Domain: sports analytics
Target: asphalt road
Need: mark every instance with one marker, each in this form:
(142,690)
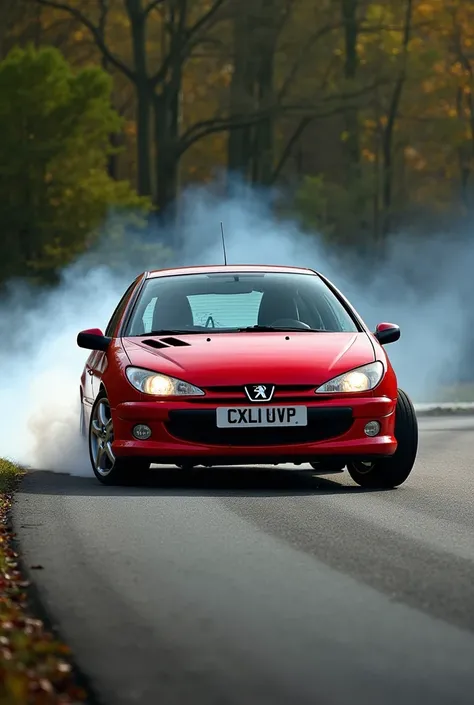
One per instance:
(240,587)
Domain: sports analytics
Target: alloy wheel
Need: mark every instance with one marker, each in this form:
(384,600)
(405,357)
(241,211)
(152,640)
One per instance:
(101,437)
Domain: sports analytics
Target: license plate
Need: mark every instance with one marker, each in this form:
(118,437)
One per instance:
(261,416)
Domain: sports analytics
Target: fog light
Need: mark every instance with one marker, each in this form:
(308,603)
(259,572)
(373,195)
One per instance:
(142,432)
(372,428)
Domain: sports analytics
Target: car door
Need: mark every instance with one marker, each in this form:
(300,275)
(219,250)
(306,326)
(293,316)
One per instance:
(88,380)
(98,361)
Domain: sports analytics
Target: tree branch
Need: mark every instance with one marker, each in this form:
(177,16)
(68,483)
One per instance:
(152,6)
(305,49)
(199,24)
(93,29)
(303,124)
(102,28)
(211,127)
(186,45)
(222,124)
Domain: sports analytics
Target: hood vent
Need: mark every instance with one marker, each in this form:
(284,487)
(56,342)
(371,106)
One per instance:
(176,342)
(165,343)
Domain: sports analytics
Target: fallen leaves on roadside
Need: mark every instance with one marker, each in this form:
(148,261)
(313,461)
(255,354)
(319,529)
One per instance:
(34,666)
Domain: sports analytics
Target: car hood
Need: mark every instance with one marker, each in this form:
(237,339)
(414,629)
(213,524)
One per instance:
(231,359)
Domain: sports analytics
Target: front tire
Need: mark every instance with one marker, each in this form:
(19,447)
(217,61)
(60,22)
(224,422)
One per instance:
(108,469)
(388,473)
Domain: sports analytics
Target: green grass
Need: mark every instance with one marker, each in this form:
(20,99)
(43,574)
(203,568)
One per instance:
(9,473)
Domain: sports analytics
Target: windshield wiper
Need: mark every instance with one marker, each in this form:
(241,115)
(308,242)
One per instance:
(247,329)
(170,331)
(276,329)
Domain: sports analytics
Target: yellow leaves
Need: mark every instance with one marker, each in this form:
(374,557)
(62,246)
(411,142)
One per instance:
(32,665)
(420,165)
(457,69)
(410,153)
(370,124)
(226,74)
(78,35)
(426,9)
(368,155)
(415,158)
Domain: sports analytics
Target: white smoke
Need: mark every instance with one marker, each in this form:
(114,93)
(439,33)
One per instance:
(42,366)
(41,363)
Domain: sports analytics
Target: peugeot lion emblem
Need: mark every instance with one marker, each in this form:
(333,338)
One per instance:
(260,392)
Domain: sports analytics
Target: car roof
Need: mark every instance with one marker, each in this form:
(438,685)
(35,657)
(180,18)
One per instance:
(221,268)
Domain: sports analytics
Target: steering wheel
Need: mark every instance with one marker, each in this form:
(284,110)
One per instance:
(290,323)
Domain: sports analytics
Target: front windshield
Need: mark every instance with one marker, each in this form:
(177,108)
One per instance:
(234,301)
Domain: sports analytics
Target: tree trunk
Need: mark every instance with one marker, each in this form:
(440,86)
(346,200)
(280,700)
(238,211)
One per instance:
(351,117)
(387,146)
(166,107)
(239,149)
(143,93)
(264,49)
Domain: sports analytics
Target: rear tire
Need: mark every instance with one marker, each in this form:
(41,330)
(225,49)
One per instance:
(108,469)
(387,473)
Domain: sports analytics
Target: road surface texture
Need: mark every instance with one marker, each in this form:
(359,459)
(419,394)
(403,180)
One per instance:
(251,587)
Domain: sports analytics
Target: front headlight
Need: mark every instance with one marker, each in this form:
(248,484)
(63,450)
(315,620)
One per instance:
(362,379)
(159,385)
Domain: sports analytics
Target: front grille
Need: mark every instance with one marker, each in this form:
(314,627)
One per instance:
(200,427)
(229,395)
(280,388)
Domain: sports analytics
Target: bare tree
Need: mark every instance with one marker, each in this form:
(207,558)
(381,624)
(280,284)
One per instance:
(350,20)
(392,115)
(254,102)
(464,107)
(137,74)
(159,88)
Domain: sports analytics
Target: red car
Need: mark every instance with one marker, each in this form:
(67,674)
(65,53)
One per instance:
(234,365)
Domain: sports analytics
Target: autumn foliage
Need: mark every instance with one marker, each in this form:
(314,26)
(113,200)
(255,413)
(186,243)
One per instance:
(362,110)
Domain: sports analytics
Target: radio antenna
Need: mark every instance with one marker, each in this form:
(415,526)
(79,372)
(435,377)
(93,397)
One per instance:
(223,243)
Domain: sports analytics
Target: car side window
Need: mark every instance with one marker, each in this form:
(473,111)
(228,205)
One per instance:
(117,314)
(147,318)
(335,310)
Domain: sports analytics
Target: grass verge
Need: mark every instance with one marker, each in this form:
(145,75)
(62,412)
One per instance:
(34,666)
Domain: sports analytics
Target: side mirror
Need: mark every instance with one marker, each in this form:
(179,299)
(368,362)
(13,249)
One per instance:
(387,333)
(93,339)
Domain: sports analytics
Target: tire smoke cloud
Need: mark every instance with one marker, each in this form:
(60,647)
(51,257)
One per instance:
(420,284)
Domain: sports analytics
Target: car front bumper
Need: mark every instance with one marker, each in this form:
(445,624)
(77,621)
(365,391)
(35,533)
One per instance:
(186,432)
